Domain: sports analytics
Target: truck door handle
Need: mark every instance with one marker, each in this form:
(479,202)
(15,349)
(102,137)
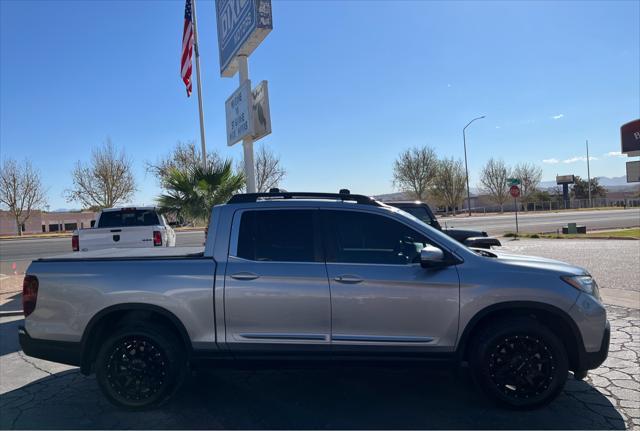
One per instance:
(244,276)
(352,279)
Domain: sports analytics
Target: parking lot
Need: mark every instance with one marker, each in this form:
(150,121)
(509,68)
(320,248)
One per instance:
(37,394)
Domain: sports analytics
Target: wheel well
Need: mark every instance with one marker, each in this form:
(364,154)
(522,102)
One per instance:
(108,320)
(553,320)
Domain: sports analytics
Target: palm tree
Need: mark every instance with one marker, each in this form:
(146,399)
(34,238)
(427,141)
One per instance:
(192,191)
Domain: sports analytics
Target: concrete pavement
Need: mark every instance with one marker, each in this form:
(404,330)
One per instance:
(36,394)
(615,264)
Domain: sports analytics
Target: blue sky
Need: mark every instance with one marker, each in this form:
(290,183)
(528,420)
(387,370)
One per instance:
(351,83)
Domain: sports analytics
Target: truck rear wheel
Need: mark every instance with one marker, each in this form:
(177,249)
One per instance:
(140,367)
(519,362)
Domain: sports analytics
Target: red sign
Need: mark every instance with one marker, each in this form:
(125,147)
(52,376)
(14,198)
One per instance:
(630,136)
(514,191)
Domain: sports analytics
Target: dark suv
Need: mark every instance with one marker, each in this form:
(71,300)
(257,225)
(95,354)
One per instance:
(470,238)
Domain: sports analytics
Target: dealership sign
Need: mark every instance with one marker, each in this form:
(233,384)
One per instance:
(242,26)
(630,138)
(238,111)
(565,179)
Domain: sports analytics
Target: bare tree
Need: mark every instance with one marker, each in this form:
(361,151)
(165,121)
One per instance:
(493,180)
(530,176)
(106,181)
(414,171)
(184,156)
(268,169)
(21,190)
(449,185)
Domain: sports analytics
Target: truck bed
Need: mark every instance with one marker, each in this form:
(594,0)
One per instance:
(130,253)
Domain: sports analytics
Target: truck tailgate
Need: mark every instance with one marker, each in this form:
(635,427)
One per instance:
(117,237)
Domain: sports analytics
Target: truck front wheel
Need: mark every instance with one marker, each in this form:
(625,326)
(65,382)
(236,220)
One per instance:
(140,367)
(519,362)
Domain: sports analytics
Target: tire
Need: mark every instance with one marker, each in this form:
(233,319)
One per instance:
(519,363)
(140,366)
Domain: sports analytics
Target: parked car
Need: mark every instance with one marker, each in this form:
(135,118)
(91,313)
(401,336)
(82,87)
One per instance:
(470,238)
(125,228)
(329,277)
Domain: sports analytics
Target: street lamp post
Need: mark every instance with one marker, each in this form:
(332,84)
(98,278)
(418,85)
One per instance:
(466,169)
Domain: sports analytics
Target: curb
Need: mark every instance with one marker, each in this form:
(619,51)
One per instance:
(28,237)
(553,235)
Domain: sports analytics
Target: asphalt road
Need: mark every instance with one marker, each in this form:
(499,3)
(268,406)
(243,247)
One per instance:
(546,222)
(26,250)
(29,249)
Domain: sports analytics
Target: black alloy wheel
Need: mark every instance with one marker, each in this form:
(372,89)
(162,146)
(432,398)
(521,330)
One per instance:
(522,366)
(137,368)
(140,367)
(519,362)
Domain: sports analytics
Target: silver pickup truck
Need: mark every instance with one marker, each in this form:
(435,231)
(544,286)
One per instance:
(308,276)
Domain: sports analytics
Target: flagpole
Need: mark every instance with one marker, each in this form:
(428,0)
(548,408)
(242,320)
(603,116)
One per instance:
(197,50)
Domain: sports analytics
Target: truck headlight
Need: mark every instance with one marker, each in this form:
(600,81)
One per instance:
(584,283)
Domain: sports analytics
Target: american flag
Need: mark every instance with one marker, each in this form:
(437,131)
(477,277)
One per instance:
(187,47)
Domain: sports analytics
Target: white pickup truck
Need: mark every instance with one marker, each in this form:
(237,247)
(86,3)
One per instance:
(125,228)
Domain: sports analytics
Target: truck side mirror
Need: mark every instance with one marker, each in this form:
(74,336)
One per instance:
(431,256)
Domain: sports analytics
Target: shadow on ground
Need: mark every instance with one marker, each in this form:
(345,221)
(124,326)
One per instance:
(9,336)
(346,398)
(14,303)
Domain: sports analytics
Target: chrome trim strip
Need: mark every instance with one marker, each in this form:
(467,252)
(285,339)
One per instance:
(283,336)
(381,338)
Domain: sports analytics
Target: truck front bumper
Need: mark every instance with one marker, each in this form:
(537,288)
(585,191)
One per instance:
(64,352)
(592,360)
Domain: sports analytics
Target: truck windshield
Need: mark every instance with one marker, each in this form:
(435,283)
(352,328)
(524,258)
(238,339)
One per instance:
(128,218)
(421,214)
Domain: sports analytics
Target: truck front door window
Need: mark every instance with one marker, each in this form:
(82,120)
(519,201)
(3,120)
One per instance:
(380,295)
(369,238)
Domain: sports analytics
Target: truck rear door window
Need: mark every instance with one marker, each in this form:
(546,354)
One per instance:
(125,218)
(277,235)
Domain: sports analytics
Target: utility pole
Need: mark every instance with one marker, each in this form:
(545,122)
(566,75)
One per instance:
(589,176)
(197,50)
(466,169)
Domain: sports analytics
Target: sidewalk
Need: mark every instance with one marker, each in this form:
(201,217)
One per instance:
(11,294)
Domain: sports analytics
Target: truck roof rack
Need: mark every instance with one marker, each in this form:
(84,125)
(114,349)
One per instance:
(254,197)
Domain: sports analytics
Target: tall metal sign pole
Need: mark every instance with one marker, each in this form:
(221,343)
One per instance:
(247,141)
(242,26)
(196,47)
